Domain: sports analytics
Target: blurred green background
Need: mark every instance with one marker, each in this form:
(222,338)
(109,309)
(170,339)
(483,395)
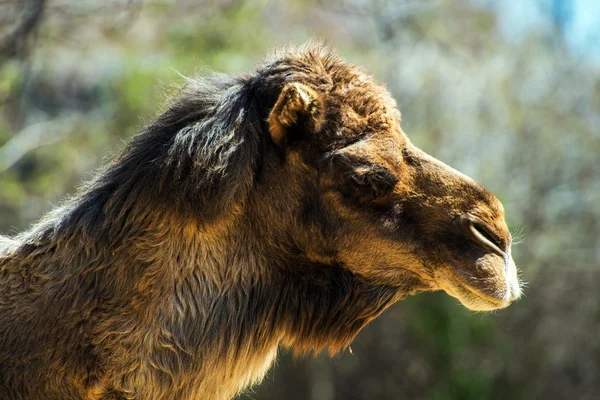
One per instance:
(506,91)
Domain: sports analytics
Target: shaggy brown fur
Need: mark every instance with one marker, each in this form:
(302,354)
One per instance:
(285,207)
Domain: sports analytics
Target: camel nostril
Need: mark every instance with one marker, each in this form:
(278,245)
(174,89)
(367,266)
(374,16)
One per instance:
(477,231)
(487,234)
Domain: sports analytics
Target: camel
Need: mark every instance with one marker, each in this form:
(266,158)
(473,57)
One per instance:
(285,208)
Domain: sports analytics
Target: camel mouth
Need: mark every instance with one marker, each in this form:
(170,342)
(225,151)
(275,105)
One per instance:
(491,284)
(471,297)
(477,299)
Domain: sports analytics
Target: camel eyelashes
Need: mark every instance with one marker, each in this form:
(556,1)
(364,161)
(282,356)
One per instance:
(378,181)
(361,180)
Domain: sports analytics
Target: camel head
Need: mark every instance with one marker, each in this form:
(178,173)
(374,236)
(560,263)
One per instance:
(360,195)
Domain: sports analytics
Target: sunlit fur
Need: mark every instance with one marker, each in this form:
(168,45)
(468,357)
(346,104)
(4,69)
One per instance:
(226,229)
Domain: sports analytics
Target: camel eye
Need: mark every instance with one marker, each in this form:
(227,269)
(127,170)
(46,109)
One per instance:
(370,182)
(361,180)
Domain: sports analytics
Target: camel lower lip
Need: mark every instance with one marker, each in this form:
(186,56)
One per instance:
(464,292)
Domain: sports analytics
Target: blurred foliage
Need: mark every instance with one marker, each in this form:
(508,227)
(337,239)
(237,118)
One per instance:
(521,115)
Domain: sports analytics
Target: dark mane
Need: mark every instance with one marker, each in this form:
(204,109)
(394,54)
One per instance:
(198,157)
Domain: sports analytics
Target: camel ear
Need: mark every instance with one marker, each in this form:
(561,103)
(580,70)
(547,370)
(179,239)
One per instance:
(297,106)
